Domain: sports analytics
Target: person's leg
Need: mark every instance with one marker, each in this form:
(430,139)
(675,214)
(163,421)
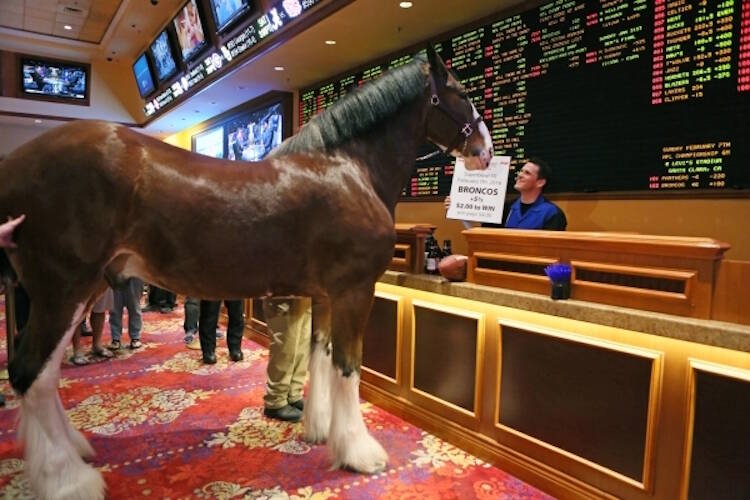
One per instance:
(115,316)
(302,329)
(280,359)
(97,330)
(235,328)
(79,358)
(133,294)
(153,298)
(170,299)
(192,312)
(209,317)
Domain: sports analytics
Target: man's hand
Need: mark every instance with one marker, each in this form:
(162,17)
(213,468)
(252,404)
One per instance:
(447,202)
(6,231)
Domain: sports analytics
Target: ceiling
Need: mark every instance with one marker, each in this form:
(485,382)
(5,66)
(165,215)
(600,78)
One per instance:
(364,30)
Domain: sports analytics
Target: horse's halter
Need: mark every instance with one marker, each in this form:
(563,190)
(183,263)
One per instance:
(465,129)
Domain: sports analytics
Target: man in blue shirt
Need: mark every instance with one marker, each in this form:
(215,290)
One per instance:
(532,210)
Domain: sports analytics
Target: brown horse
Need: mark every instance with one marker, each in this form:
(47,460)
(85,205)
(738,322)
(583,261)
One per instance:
(104,203)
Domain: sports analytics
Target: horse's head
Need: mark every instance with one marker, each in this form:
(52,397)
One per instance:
(453,122)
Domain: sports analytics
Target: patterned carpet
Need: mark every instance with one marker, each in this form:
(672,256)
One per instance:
(166,426)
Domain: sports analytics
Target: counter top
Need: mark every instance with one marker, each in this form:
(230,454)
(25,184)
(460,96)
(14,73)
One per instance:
(714,333)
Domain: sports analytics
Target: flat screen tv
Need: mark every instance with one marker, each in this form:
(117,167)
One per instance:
(210,142)
(226,12)
(251,136)
(161,52)
(189,29)
(143,78)
(56,79)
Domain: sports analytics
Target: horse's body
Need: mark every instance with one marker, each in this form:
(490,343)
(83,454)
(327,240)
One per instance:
(104,203)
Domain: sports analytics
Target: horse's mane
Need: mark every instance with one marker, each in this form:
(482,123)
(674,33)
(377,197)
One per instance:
(359,110)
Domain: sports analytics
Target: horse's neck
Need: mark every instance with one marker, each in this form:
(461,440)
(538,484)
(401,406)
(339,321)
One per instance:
(389,151)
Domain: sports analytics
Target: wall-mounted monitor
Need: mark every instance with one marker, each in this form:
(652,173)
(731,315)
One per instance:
(189,29)
(161,52)
(210,142)
(252,135)
(143,77)
(226,12)
(54,79)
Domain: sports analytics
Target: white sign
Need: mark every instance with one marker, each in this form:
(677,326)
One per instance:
(479,195)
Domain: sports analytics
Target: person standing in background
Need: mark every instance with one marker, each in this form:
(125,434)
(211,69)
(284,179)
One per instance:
(289,322)
(127,295)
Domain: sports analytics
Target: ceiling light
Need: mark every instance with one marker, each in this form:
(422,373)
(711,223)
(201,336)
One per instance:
(278,68)
(330,42)
(68,27)
(37,121)
(405,5)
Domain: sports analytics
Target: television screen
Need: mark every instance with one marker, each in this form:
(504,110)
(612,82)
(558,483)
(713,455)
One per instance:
(54,79)
(161,51)
(210,142)
(189,30)
(143,76)
(227,11)
(255,134)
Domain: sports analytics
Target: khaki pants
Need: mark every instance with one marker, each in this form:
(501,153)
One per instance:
(289,323)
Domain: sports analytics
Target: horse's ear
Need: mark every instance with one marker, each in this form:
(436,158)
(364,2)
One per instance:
(437,66)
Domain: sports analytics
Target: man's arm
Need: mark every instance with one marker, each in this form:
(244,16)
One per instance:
(6,231)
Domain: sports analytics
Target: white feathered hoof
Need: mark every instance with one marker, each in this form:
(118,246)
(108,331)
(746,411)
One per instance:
(359,452)
(71,481)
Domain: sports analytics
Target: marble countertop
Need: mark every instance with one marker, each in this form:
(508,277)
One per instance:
(714,333)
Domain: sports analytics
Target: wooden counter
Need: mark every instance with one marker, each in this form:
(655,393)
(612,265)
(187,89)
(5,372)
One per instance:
(583,400)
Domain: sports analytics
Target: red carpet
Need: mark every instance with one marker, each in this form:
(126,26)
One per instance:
(165,426)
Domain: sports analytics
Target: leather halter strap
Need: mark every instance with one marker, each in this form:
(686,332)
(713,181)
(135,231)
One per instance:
(466,128)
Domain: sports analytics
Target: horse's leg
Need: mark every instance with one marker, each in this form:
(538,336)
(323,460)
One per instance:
(350,443)
(52,447)
(317,413)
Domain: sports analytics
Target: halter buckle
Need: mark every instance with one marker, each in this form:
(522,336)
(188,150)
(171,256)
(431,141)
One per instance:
(435,100)
(467,130)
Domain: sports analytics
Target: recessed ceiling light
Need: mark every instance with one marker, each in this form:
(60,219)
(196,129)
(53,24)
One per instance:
(68,27)
(330,42)
(37,121)
(405,5)
(278,68)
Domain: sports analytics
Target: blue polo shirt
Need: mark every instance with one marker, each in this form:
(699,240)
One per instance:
(535,217)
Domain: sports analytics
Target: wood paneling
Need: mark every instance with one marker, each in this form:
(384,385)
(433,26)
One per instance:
(731,296)
(452,339)
(720,451)
(587,400)
(380,344)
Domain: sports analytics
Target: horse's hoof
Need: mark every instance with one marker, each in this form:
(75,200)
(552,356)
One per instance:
(362,454)
(80,482)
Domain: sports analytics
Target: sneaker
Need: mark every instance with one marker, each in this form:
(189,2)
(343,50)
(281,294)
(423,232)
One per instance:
(189,336)
(195,344)
(114,346)
(219,334)
(165,309)
(286,413)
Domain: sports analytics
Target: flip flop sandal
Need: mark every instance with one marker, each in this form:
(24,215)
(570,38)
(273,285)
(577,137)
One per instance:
(79,360)
(135,344)
(102,353)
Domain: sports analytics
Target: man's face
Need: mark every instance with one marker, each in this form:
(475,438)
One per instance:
(527,179)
